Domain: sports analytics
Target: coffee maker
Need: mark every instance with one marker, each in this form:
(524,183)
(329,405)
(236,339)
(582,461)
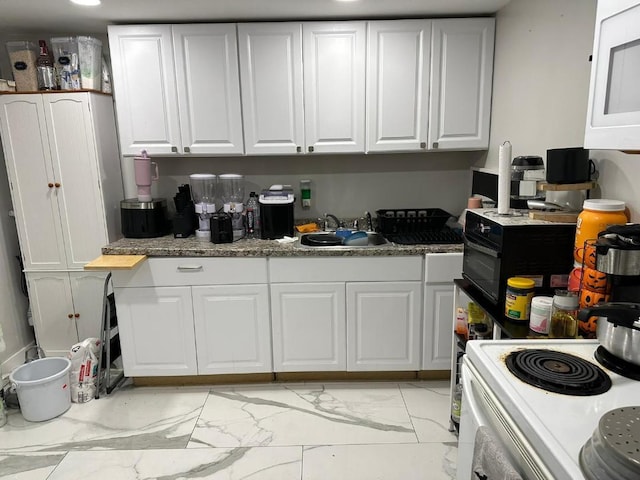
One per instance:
(618,255)
(232,193)
(144,216)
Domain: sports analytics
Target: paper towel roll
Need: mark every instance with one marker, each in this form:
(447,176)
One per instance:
(504,178)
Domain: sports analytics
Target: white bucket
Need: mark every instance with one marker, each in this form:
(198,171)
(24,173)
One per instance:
(43,388)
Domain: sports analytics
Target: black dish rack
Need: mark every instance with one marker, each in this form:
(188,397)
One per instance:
(417,226)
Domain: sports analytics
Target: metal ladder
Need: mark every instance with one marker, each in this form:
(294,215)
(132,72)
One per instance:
(108,333)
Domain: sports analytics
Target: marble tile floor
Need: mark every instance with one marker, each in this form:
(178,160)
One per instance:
(280,431)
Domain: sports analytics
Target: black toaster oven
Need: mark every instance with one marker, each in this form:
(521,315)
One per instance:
(499,247)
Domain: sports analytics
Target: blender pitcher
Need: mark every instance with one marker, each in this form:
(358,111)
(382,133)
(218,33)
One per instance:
(144,177)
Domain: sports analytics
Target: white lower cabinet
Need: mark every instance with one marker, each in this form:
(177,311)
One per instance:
(156,331)
(383,325)
(66,307)
(308,321)
(346,313)
(440,271)
(233,333)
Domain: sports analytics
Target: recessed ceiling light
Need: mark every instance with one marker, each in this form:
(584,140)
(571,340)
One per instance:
(87,3)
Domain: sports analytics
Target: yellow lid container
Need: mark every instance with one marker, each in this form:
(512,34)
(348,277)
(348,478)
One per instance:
(517,304)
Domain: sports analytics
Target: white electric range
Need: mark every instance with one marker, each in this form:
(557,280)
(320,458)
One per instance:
(541,431)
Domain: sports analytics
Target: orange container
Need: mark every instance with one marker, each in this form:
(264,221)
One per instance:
(596,216)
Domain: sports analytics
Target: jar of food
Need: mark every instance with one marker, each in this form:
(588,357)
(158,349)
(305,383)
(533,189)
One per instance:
(596,216)
(517,304)
(564,315)
(540,314)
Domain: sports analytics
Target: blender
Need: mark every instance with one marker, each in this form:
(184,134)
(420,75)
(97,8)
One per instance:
(203,190)
(232,193)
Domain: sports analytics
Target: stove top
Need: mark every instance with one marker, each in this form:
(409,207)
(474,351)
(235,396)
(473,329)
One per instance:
(558,372)
(556,425)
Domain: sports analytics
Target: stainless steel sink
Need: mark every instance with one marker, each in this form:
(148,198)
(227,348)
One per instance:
(323,240)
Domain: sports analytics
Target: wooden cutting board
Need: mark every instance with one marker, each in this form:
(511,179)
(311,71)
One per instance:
(561,217)
(115,262)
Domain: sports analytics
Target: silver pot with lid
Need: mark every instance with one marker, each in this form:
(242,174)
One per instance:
(618,329)
(612,451)
(618,250)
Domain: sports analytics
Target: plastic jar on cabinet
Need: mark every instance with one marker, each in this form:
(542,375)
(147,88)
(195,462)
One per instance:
(540,314)
(517,304)
(564,315)
(596,216)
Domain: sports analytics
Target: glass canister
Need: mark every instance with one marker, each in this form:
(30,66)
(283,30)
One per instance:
(564,315)
(596,216)
(517,304)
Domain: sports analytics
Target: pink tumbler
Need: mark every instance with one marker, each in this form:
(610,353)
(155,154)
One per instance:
(142,167)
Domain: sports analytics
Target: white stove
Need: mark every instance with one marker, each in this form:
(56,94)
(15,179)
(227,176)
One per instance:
(541,431)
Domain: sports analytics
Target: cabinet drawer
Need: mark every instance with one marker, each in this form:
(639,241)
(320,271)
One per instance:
(345,269)
(442,267)
(178,271)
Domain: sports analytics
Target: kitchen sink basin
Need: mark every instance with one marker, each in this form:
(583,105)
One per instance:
(331,241)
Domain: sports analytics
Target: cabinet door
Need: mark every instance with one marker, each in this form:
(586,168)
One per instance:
(52,310)
(613,114)
(308,322)
(271,76)
(232,329)
(208,88)
(87,290)
(398,85)
(75,166)
(145,88)
(383,325)
(32,181)
(461,76)
(334,86)
(156,331)
(438,327)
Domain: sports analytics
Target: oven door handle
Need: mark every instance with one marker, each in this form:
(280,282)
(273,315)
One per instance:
(481,248)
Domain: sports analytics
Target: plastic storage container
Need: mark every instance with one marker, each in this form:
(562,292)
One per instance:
(540,316)
(66,62)
(564,315)
(22,56)
(43,388)
(90,53)
(596,216)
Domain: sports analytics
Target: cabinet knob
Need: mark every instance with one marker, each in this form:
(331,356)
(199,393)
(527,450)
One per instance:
(50,185)
(57,185)
(423,144)
(70,315)
(435,144)
(310,149)
(174,149)
(77,315)
(298,149)
(187,150)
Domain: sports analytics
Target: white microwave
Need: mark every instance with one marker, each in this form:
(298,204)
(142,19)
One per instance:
(613,113)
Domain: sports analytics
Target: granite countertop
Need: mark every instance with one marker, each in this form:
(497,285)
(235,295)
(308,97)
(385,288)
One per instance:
(168,246)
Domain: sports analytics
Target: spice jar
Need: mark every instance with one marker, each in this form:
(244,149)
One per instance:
(564,315)
(517,304)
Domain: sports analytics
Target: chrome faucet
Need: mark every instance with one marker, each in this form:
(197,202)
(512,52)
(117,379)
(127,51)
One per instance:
(327,216)
(367,219)
(367,216)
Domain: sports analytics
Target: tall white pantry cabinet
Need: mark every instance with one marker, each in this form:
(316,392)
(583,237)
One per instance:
(63,165)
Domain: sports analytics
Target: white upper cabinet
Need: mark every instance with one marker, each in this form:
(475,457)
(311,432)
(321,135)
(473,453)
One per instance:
(64,171)
(398,85)
(206,59)
(271,79)
(177,88)
(334,86)
(461,78)
(613,113)
(145,88)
